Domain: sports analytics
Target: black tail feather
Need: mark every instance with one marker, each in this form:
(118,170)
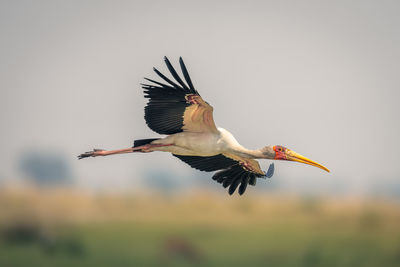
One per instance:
(141,142)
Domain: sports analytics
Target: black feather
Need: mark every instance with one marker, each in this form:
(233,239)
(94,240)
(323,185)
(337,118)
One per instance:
(221,179)
(165,78)
(252,180)
(244,183)
(161,84)
(141,142)
(234,185)
(186,75)
(218,175)
(174,74)
(235,175)
(227,181)
(165,117)
(207,164)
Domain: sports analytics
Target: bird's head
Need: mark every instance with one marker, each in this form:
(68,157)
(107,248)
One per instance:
(282,153)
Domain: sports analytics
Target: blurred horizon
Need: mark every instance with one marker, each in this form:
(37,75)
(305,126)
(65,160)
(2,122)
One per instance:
(165,181)
(53,169)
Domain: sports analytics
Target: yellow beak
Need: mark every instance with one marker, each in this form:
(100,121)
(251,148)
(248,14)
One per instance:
(293,156)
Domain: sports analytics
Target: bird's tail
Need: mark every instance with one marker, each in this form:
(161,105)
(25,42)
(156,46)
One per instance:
(142,142)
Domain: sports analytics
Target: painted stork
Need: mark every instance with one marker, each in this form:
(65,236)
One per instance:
(177,110)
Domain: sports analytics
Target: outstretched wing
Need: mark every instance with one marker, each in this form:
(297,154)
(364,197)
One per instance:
(234,171)
(174,107)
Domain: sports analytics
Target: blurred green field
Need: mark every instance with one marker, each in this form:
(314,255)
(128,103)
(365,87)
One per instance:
(55,228)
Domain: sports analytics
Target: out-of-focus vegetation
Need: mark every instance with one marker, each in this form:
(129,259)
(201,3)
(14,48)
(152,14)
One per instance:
(70,228)
(45,168)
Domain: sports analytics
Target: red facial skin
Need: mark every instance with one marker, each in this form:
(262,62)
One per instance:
(280,152)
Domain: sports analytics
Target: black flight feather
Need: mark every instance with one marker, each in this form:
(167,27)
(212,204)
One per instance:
(166,79)
(174,74)
(161,84)
(234,185)
(208,164)
(244,183)
(231,173)
(252,180)
(186,75)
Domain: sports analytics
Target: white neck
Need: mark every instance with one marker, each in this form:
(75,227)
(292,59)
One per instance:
(251,154)
(236,148)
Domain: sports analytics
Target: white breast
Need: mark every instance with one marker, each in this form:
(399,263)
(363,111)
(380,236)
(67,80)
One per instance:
(200,144)
(227,140)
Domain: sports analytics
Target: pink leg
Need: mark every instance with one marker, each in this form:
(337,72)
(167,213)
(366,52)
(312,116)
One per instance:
(101,152)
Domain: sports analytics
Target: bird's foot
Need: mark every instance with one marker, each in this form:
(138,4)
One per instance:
(94,153)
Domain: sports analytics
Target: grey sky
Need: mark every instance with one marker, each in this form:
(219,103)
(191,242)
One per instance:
(320,77)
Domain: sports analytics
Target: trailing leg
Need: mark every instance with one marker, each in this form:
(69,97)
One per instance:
(100,152)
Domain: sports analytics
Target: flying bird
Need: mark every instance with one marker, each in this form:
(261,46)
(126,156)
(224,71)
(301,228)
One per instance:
(176,109)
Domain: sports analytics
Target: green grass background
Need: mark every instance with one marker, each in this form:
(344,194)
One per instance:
(206,230)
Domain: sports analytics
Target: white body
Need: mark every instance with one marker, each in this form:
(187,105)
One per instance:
(199,144)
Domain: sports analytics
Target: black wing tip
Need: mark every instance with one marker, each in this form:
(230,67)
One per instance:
(243,185)
(176,75)
(187,87)
(253,180)
(238,179)
(167,59)
(165,78)
(187,76)
(234,186)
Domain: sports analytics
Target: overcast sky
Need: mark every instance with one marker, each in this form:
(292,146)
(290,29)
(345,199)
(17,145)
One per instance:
(319,77)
